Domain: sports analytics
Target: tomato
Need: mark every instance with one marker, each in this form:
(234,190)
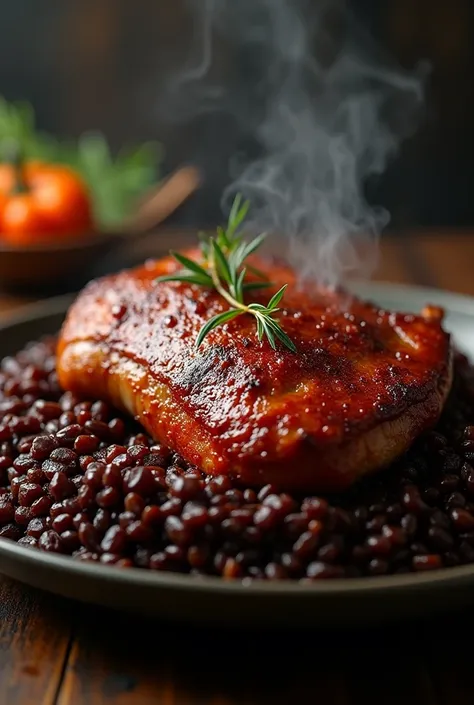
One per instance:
(3,200)
(41,201)
(22,222)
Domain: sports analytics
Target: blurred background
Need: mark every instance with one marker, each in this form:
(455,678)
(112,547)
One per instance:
(105,64)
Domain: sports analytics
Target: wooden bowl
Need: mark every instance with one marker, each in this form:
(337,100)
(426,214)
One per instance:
(53,266)
(63,264)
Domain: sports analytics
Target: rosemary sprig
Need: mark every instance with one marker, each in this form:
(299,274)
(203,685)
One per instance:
(222,269)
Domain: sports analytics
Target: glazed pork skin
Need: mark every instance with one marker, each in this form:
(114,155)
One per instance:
(363,384)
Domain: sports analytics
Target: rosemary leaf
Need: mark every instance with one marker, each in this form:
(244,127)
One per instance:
(222,269)
(237,215)
(222,239)
(216,321)
(237,256)
(254,245)
(257,307)
(187,277)
(268,330)
(280,333)
(189,264)
(276,298)
(239,287)
(222,263)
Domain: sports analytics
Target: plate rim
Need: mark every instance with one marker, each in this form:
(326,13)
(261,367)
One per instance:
(138,577)
(452,301)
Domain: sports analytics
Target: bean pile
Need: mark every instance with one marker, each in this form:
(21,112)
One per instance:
(78,478)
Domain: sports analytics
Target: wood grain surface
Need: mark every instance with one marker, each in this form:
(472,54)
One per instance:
(56,652)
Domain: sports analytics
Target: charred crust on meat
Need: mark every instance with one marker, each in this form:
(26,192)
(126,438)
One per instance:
(235,398)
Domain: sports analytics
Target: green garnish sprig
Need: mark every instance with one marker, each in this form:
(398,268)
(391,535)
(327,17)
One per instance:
(222,269)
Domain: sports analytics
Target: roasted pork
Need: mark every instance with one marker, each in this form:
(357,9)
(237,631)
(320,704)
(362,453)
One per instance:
(362,385)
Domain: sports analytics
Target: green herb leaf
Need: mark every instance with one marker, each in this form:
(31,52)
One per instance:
(257,307)
(186,277)
(276,298)
(239,286)
(190,264)
(254,245)
(204,245)
(223,257)
(222,238)
(237,214)
(268,331)
(280,334)
(216,321)
(222,263)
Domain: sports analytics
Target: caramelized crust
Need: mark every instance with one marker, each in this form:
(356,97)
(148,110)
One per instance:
(362,386)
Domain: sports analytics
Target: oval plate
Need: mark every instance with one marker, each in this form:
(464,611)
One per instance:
(211,599)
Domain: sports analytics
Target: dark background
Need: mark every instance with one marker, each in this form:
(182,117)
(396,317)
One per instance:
(102,64)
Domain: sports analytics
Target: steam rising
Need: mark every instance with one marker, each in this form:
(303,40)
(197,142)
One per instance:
(327,113)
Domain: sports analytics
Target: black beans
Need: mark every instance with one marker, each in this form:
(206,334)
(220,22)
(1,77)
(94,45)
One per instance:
(306,544)
(114,540)
(41,506)
(36,527)
(314,507)
(140,480)
(98,428)
(134,503)
(11,531)
(47,410)
(378,566)
(102,520)
(65,456)
(61,523)
(153,515)
(7,510)
(78,478)
(440,539)
(412,501)
(50,541)
(85,445)
(94,474)
(323,571)
(139,533)
(462,519)
(108,497)
(61,486)
(198,556)
(177,531)
(427,562)
(409,524)
(69,433)
(266,518)
(219,484)
(42,447)
(28,493)
(23,515)
(88,535)
(112,477)
(184,488)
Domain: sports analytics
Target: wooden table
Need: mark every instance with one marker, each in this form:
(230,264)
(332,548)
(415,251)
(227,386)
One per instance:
(54,651)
